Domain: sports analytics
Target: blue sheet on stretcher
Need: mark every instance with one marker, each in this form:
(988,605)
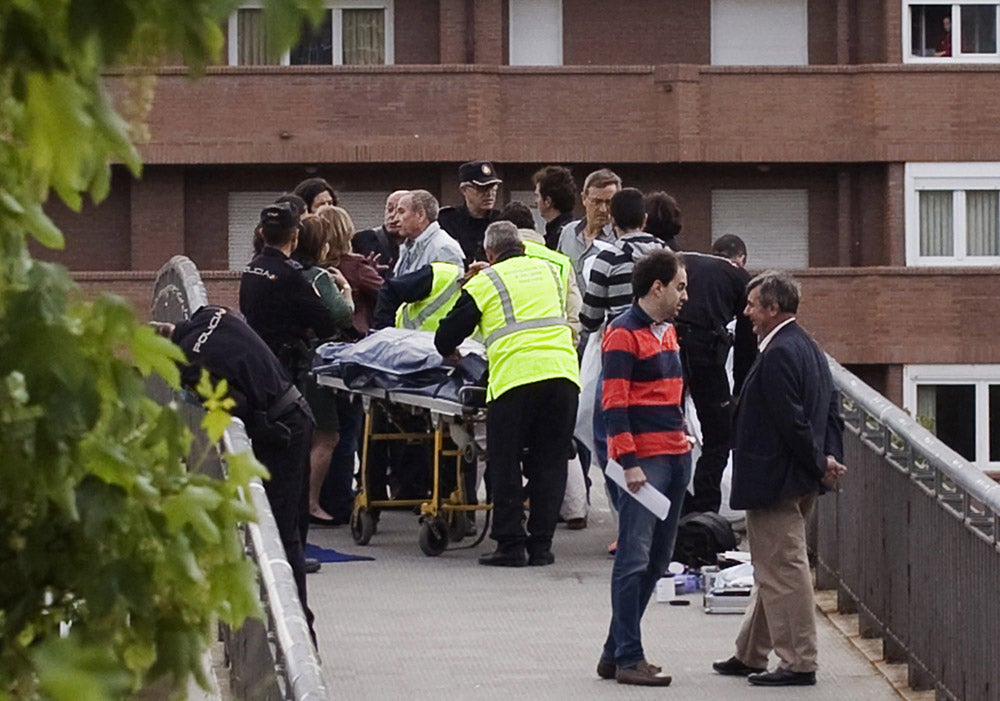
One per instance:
(402,359)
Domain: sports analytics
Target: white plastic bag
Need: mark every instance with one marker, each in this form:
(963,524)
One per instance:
(590,374)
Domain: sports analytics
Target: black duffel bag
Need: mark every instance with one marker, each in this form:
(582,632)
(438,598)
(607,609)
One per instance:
(701,537)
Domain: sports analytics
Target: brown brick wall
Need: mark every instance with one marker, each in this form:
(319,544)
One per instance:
(416,31)
(489,35)
(157,216)
(98,237)
(641,32)
(662,114)
(452,31)
(822,17)
(869,33)
(903,315)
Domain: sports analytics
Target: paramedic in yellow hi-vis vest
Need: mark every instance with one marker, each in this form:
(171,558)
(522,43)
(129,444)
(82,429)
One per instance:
(419,300)
(518,306)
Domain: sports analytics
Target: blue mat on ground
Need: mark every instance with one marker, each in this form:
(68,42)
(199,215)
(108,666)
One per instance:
(331,555)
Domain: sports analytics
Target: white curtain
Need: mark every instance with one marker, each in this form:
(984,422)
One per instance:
(936,223)
(982,215)
(364,37)
(251,39)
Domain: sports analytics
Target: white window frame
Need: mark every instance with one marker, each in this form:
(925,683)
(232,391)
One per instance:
(957,177)
(956,34)
(980,376)
(337,8)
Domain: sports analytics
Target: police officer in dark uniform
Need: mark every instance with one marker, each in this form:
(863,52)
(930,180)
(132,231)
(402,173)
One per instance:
(478,183)
(284,310)
(277,301)
(277,418)
(716,295)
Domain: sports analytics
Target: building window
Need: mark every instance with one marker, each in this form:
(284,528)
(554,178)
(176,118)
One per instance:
(960,404)
(952,213)
(536,37)
(964,31)
(774,224)
(760,33)
(350,33)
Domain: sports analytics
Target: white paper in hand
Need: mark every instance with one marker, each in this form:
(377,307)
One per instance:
(647,495)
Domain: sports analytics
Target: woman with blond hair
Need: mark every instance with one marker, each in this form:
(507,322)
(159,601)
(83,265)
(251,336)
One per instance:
(360,272)
(337,494)
(331,287)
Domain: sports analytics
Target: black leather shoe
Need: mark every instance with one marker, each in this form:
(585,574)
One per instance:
(504,558)
(783,677)
(312,565)
(541,558)
(734,667)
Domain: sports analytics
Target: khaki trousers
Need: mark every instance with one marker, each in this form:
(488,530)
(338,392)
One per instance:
(781,615)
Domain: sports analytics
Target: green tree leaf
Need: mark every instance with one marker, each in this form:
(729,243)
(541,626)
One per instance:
(102,526)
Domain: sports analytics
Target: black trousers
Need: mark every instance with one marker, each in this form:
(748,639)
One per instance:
(531,427)
(713,400)
(337,492)
(289,468)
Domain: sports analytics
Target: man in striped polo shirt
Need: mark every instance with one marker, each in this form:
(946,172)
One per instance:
(642,400)
(609,284)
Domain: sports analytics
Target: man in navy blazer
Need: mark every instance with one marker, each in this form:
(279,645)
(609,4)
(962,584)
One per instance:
(787,449)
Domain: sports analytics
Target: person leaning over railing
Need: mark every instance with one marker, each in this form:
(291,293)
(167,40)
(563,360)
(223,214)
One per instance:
(278,420)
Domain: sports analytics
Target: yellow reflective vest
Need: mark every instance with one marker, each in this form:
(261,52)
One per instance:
(522,302)
(428,312)
(562,262)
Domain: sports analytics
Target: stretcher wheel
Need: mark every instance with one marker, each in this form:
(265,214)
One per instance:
(362,526)
(433,536)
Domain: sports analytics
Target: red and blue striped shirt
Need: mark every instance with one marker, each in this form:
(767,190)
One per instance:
(643,390)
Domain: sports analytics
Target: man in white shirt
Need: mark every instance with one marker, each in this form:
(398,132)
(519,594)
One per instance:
(424,241)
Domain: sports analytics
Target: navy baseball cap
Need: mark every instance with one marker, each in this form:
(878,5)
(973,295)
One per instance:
(480,173)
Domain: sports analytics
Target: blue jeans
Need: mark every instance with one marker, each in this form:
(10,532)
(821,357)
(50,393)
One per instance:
(645,546)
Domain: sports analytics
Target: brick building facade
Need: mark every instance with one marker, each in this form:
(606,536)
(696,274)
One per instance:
(825,131)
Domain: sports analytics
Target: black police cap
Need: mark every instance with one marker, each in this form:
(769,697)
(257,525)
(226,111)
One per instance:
(279,216)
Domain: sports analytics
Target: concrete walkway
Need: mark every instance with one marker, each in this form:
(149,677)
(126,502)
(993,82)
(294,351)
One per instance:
(407,626)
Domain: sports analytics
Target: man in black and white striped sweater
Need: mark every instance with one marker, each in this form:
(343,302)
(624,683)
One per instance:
(609,281)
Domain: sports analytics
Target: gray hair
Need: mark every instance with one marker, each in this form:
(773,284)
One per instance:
(777,288)
(502,236)
(427,202)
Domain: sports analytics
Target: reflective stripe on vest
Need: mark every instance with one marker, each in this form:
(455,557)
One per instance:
(424,314)
(511,324)
(446,285)
(562,264)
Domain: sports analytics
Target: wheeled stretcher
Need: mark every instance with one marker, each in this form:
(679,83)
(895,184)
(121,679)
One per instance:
(450,428)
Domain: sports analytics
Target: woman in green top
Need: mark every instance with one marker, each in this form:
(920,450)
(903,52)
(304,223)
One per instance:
(331,286)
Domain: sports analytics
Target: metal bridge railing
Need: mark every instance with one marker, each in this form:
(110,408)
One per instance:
(912,543)
(272,659)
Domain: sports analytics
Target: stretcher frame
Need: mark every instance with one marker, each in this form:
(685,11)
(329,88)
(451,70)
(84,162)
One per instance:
(439,524)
